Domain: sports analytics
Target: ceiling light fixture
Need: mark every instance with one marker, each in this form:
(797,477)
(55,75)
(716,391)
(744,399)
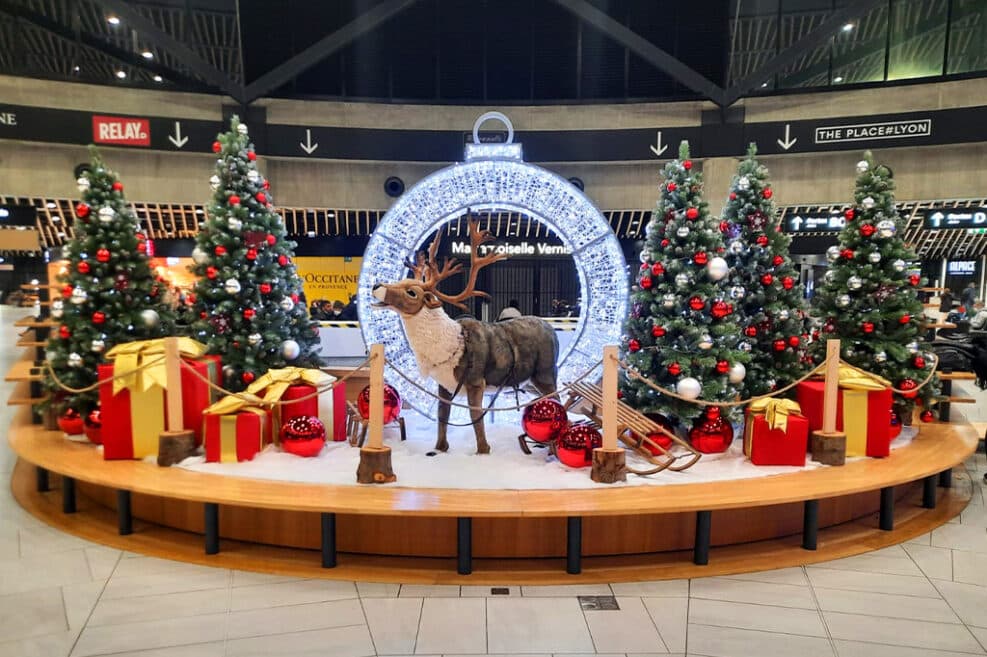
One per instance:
(158,78)
(838,78)
(764,85)
(147,54)
(848,27)
(112,20)
(76,68)
(121,74)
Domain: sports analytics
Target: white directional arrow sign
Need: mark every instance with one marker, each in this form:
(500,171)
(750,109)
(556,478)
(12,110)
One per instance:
(177,138)
(937,219)
(658,149)
(308,146)
(796,223)
(788,143)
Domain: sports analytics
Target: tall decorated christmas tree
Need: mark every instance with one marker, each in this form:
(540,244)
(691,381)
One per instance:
(681,332)
(248,295)
(763,283)
(869,299)
(108,293)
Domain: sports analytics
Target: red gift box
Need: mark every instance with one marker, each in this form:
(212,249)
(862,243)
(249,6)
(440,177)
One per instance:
(869,433)
(134,417)
(236,437)
(765,445)
(330,407)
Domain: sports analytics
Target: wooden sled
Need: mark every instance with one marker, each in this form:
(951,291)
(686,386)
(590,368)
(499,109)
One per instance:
(357,427)
(633,429)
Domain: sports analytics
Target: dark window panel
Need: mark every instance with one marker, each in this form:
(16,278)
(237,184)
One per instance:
(918,38)
(967,45)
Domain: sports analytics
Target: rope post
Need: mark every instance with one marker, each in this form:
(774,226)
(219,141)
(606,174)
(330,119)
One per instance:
(176,443)
(375,458)
(828,444)
(609,461)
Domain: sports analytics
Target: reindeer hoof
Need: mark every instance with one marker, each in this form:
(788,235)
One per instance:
(483,449)
(442,447)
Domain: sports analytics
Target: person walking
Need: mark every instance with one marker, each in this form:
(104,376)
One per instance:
(969,297)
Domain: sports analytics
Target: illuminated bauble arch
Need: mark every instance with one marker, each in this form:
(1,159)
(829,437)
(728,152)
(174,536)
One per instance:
(495,177)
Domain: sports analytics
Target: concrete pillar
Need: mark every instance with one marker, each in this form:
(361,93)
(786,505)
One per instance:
(717,174)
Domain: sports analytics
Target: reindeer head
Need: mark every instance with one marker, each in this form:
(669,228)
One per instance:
(410,295)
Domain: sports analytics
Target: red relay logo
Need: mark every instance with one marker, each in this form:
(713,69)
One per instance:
(121,130)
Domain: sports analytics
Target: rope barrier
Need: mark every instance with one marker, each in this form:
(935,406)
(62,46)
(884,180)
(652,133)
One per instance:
(928,379)
(78,391)
(270,403)
(517,407)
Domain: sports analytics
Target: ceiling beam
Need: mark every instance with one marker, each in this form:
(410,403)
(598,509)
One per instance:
(95,43)
(806,43)
(643,48)
(180,51)
(324,47)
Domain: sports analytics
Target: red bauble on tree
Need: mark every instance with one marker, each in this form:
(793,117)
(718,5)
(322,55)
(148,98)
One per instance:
(794,341)
(283,260)
(252,156)
(216,147)
(846,254)
(261,197)
(904,319)
(82,267)
(392,403)
(927,416)
(867,230)
(575,444)
(633,345)
(251,254)
(117,186)
(777,261)
(543,420)
(686,164)
(657,269)
(788,282)
(767,279)
(767,193)
(733,196)
(919,362)
(99,317)
(724,226)
(697,303)
(211,272)
(674,369)
(658,331)
(867,327)
(103,255)
(271,240)
(249,313)
(849,214)
(303,435)
(722,366)
(265,288)
(658,438)
(762,240)
(909,386)
(711,434)
(779,345)
(671,187)
(71,422)
(220,250)
(700,258)
(234,199)
(67,291)
(645,282)
(750,331)
(720,309)
(248,377)
(82,210)
(664,243)
(914,279)
(692,213)
(64,332)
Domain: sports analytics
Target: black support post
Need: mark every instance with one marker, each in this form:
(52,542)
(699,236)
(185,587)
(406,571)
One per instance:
(929,492)
(328,540)
(946,478)
(464,546)
(704,524)
(946,387)
(125,520)
(212,528)
(68,495)
(574,545)
(41,479)
(810,524)
(887,508)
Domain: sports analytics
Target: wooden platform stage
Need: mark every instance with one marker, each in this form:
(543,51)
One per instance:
(389,533)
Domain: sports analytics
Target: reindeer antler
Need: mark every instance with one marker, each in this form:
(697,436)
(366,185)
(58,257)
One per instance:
(477,262)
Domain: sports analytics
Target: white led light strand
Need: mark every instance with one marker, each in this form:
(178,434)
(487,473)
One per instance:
(494,177)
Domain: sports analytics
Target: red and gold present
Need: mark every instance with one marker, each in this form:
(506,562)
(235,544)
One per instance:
(235,436)
(776,433)
(290,383)
(865,399)
(133,406)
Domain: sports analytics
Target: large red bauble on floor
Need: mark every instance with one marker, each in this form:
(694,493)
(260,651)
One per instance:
(303,435)
(392,403)
(71,422)
(543,420)
(658,437)
(711,433)
(576,443)
(93,427)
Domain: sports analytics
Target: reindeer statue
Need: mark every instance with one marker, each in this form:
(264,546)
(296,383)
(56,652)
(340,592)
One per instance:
(466,353)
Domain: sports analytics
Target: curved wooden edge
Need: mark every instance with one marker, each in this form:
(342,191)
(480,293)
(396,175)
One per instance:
(99,524)
(938,447)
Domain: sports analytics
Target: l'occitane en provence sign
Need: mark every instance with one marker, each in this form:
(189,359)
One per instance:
(329,278)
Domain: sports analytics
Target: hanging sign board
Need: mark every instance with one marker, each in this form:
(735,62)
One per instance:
(814,222)
(961,267)
(948,218)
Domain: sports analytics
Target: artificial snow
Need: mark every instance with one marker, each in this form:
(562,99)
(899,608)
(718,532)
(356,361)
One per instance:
(505,468)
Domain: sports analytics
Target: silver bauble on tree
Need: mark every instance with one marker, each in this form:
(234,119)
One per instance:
(705,342)
(215,182)
(843,300)
(899,265)
(736,247)
(737,292)
(862,166)
(290,350)
(232,286)
(235,224)
(75,360)
(867,203)
(880,357)
(682,280)
(737,373)
(854,282)
(874,257)
(254,338)
(106,214)
(82,182)
(833,253)
(97,346)
(241,128)
(743,183)
(199,256)
(150,318)
(886,228)
(79,296)
(668,300)
(689,388)
(286,304)
(682,231)
(57,308)
(717,268)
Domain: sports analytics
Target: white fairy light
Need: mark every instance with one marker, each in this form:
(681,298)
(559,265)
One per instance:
(495,177)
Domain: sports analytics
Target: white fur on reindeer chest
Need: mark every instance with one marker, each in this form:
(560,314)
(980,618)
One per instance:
(438,343)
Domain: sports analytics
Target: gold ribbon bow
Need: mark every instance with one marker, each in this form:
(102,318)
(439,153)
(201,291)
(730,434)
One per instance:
(276,381)
(234,404)
(853,378)
(131,356)
(776,411)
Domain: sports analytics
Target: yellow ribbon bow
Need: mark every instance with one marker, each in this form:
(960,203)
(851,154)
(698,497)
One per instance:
(776,411)
(276,381)
(234,404)
(853,378)
(141,365)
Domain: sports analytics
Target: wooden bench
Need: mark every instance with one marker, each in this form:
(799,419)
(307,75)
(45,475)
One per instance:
(947,379)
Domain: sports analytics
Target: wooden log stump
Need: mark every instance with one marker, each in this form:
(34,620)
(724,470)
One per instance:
(50,418)
(175,446)
(609,465)
(375,466)
(829,448)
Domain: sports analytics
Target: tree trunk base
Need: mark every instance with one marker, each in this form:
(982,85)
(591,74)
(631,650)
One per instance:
(175,446)
(375,466)
(609,466)
(50,418)
(829,448)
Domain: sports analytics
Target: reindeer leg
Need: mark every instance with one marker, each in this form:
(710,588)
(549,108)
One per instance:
(545,388)
(475,396)
(442,444)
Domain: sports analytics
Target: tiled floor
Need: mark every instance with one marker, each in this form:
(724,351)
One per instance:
(61,596)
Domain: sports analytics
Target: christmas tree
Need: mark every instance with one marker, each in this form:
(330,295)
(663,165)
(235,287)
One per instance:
(681,332)
(108,294)
(248,296)
(869,299)
(763,282)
